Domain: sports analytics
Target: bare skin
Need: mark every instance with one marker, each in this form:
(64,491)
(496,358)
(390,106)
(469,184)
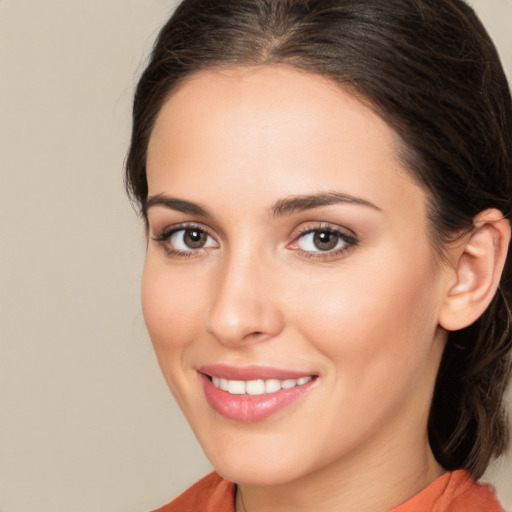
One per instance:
(313,257)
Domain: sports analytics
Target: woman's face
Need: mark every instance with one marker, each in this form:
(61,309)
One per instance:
(289,287)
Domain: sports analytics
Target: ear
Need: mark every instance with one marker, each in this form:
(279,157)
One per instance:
(477,264)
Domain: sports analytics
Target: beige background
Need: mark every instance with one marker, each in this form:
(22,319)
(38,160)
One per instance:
(86,422)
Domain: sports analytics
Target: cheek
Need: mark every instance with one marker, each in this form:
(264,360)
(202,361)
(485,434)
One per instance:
(380,339)
(378,316)
(172,309)
(171,306)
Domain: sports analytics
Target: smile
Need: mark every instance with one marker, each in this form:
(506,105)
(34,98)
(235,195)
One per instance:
(254,393)
(258,386)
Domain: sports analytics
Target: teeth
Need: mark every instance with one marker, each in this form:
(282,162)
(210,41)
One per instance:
(236,387)
(272,385)
(257,387)
(288,383)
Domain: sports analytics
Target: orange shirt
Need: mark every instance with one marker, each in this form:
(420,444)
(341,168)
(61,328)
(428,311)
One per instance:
(452,492)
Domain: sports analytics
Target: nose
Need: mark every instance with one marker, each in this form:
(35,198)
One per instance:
(245,305)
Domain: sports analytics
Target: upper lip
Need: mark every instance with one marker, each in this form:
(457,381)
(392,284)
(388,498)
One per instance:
(250,372)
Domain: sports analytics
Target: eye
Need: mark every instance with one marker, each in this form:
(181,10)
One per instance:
(319,241)
(185,240)
(323,240)
(190,239)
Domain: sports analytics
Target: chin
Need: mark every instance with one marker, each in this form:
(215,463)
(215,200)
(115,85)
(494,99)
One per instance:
(257,462)
(256,474)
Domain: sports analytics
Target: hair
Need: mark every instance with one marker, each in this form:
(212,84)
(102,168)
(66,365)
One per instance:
(431,71)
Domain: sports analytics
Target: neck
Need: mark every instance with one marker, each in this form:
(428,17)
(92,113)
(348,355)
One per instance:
(386,469)
(366,485)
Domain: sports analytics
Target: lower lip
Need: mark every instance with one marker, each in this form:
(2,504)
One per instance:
(249,408)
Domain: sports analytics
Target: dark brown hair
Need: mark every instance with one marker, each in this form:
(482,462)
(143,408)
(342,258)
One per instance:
(429,68)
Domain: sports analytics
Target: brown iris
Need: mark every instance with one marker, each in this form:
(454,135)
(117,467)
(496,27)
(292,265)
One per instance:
(194,238)
(325,240)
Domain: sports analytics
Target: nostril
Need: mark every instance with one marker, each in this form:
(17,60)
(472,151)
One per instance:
(238,316)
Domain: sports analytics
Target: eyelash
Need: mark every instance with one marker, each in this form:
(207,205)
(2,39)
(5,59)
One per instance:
(164,237)
(349,241)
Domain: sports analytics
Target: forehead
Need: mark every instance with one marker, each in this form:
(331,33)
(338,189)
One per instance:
(285,100)
(274,127)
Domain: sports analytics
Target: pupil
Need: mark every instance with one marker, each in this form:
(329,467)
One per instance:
(195,239)
(325,241)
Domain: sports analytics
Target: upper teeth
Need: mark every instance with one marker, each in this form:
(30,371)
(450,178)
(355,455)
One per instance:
(256,387)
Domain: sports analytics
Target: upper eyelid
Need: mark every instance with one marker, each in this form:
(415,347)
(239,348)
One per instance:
(325,226)
(164,239)
(299,231)
(303,228)
(173,228)
(159,221)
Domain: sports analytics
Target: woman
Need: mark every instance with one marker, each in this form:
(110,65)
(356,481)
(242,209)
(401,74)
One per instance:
(326,186)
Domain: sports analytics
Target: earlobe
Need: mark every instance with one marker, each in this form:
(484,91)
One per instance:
(478,265)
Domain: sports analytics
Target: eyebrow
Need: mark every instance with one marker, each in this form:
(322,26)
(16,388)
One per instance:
(282,207)
(300,203)
(180,205)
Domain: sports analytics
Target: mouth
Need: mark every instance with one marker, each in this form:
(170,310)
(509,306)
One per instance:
(257,387)
(252,394)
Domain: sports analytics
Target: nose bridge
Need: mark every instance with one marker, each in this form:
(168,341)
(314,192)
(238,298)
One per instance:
(243,305)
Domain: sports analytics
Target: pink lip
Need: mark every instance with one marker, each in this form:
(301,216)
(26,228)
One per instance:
(249,372)
(250,408)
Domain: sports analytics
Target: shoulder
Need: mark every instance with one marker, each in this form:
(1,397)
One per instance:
(456,491)
(210,494)
(467,495)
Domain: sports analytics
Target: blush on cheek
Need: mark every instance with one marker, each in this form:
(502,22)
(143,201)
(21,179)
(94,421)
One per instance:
(171,309)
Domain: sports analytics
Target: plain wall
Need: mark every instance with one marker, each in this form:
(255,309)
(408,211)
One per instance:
(86,421)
